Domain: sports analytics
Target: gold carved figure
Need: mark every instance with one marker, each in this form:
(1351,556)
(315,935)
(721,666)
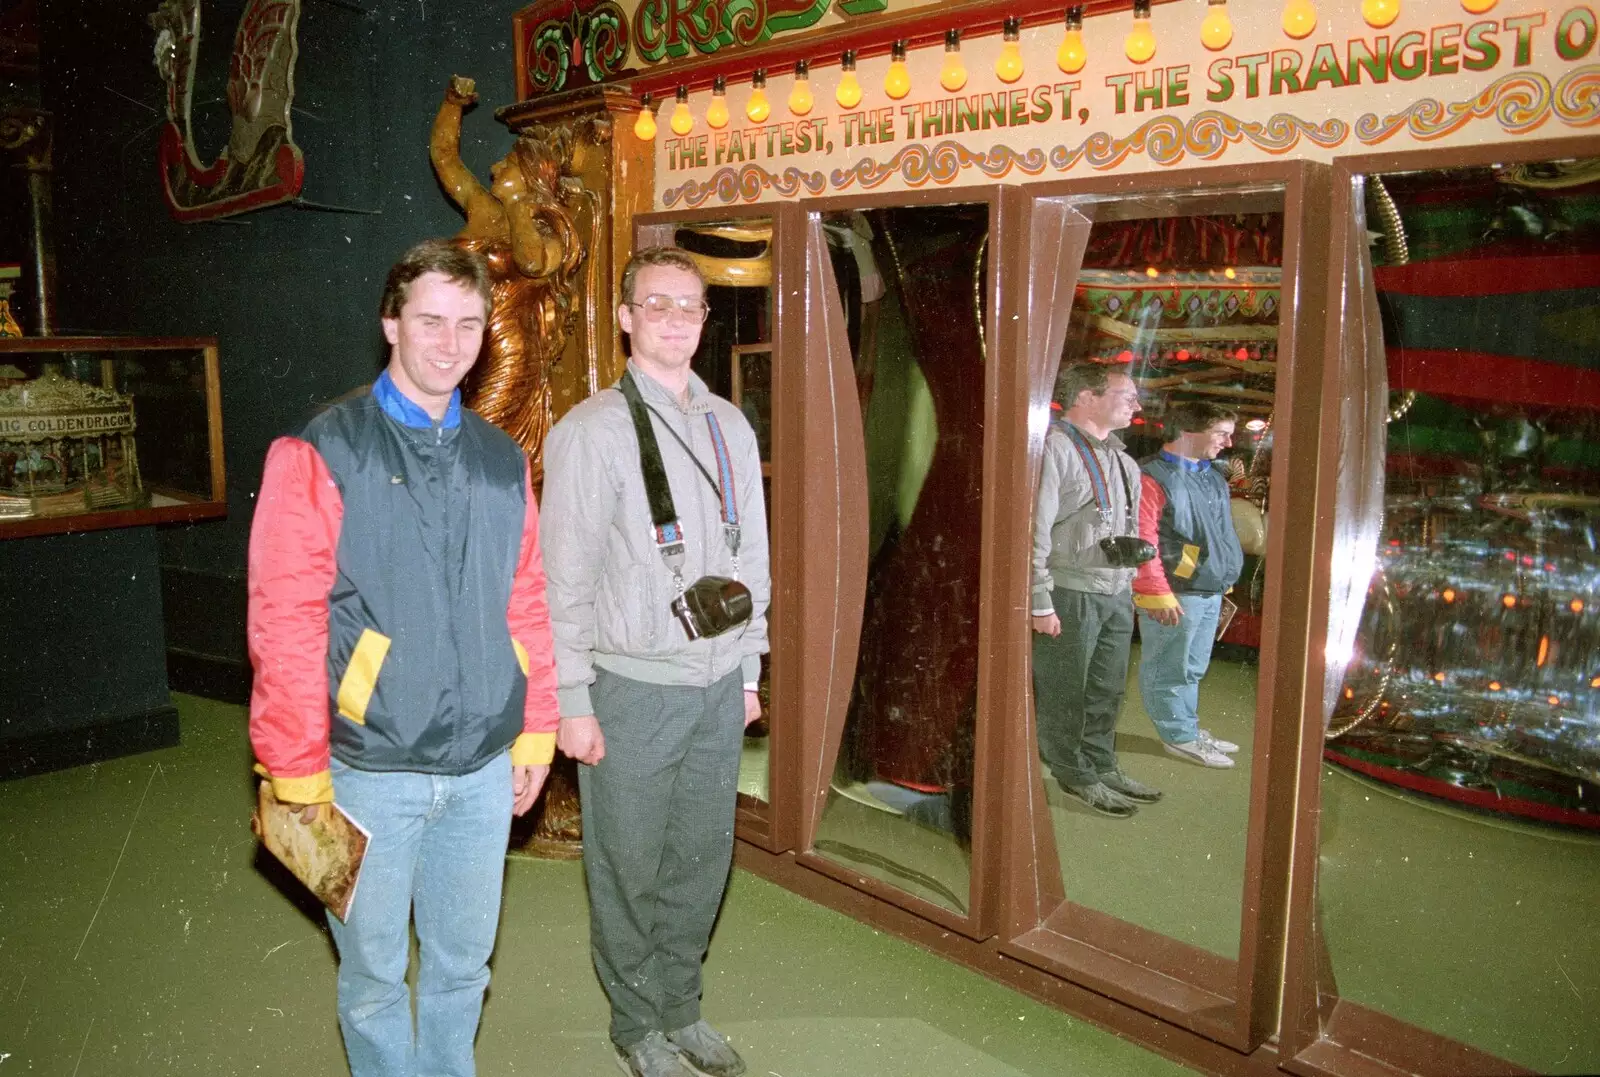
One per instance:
(525,225)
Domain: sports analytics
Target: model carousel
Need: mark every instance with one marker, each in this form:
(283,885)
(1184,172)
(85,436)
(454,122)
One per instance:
(66,447)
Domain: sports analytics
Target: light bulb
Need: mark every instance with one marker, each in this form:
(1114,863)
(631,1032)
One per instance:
(953,75)
(848,93)
(1071,57)
(758,108)
(897,82)
(717,112)
(1380,13)
(1140,44)
(644,127)
(1478,7)
(1299,18)
(800,99)
(1216,32)
(1008,65)
(682,118)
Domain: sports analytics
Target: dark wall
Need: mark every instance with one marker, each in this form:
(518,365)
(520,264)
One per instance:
(291,294)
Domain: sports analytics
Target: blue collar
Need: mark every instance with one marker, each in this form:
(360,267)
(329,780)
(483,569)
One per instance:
(403,410)
(1184,462)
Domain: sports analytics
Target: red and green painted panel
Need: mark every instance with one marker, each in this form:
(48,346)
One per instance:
(567,44)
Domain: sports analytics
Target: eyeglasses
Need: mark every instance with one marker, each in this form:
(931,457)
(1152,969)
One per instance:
(658,307)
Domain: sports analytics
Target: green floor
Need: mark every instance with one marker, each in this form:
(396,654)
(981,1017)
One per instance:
(139,936)
(1474,926)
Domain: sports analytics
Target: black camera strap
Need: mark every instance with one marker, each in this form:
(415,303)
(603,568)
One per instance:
(658,491)
(1097,476)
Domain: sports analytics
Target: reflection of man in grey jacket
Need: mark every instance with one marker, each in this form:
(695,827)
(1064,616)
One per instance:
(656,718)
(1082,604)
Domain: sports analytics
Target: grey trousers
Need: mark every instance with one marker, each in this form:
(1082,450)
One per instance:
(658,816)
(1079,678)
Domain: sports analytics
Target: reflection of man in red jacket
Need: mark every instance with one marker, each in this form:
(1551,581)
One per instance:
(404,664)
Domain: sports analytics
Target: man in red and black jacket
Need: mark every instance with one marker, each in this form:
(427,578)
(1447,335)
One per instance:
(403,662)
(1185,512)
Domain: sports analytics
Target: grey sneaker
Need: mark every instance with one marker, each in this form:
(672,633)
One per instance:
(706,1051)
(1201,751)
(1225,746)
(1118,782)
(1103,799)
(652,1056)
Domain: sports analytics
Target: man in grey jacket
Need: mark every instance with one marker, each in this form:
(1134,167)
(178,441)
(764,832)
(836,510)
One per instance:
(1082,603)
(656,719)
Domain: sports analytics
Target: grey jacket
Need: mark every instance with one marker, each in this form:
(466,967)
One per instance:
(1066,522)
(609,589)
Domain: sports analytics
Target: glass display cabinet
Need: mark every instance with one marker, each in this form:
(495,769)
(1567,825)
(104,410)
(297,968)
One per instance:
(102,432)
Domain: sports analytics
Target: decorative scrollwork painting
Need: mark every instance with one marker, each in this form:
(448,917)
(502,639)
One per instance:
(261,165)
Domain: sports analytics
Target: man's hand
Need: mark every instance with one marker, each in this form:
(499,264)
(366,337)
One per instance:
(1169,616)
(752,708)
(306,813)
(580,738)
(525,785)
(1049,624)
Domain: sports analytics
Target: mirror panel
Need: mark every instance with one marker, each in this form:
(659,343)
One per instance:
(913,283)
(1460,823)
(1146,717)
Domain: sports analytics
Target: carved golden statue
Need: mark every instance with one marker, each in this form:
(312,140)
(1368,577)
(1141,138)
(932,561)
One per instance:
(524,225)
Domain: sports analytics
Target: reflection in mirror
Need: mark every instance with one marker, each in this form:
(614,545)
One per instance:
(1148,551)
(1460,850)
(913,283)
(735,361)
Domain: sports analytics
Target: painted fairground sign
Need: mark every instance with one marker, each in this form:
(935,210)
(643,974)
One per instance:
(567,44)
(1435,75)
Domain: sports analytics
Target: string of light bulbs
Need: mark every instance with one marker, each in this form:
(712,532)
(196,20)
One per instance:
(1298,21)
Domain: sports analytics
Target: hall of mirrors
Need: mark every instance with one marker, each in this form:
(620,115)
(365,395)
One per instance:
(1404,683)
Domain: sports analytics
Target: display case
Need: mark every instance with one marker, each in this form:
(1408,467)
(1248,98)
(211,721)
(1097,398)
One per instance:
(108,432)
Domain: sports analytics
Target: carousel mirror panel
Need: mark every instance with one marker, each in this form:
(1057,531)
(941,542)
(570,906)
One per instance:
(1148,556)
(1460,823)
(735,361)
(98,432)
(913,284)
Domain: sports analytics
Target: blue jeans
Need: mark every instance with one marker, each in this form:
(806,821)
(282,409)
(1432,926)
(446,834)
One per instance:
(1172,660)
(438,850)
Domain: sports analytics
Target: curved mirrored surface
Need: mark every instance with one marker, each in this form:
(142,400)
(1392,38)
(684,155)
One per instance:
(1149,577)
(1460,849)
(913,284)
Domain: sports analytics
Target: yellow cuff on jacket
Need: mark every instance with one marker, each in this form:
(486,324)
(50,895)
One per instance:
(533,749)
(312,789)
(1156,602)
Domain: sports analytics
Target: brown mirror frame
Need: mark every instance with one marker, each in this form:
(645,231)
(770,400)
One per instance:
(1232,1002)
(828,348)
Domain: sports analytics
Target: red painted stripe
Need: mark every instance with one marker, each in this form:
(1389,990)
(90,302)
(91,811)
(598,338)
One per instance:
(1491,276)
(1477,798)
(1510,379)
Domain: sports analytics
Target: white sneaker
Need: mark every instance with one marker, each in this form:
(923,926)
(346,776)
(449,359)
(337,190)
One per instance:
(1200,751)
(1218,743)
